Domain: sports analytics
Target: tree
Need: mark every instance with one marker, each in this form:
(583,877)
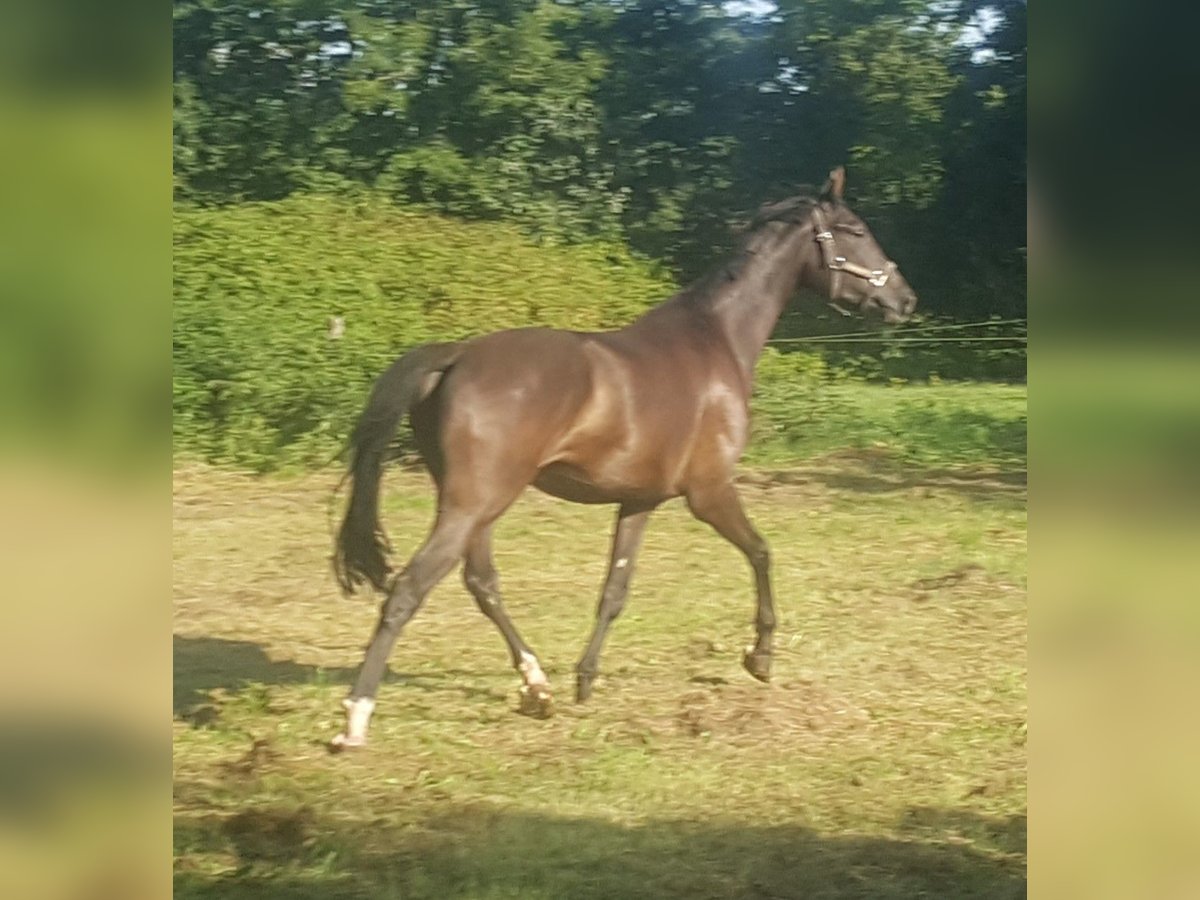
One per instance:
(658,123)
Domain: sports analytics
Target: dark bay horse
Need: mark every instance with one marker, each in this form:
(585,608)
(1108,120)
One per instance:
(656,410)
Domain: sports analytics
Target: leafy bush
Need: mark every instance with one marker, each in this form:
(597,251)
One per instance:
(804,407)
(933,349)
(259,382)
(991,352)
(792,402)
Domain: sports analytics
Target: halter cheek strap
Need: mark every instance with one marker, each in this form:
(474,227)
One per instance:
(838,264)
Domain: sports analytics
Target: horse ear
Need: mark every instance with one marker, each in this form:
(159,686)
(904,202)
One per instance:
(835,185)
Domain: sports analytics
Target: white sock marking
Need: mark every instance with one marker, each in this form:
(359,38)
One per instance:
(358,716)
(532,671)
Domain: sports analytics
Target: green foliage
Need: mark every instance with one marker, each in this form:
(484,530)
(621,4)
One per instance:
(930,349)
(880,73)
(804,407)
(500,114)
(258,380)
(791,399)
(988,353)
(655,123)
(974,359)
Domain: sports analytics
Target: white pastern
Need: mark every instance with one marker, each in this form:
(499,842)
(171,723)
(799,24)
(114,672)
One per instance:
(358,716)
(531,671)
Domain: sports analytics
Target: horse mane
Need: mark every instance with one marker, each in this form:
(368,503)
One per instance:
(794,210)
(782,211)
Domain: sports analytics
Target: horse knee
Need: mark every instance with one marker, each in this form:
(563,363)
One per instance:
(759,554)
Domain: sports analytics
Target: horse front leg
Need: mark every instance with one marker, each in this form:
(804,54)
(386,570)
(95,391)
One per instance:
(721,507)
(627,539)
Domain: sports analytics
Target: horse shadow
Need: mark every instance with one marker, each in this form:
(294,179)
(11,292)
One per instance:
(865,472)
(206,664)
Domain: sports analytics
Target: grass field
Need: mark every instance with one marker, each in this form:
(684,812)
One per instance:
(886,759)
(928,425)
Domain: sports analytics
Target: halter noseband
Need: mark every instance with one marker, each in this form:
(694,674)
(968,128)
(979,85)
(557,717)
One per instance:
(839,264)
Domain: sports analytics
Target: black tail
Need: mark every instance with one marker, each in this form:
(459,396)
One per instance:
(361,551)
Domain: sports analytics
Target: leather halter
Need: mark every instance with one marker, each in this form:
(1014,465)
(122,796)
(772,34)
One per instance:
(838,264)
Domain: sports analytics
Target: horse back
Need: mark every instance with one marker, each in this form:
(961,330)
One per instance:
(594,417)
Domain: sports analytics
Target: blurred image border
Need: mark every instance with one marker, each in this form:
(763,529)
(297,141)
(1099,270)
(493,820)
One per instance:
(85,458)
(1115,404)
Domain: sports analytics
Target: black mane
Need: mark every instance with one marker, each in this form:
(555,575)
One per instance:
(794,211)
(789,210)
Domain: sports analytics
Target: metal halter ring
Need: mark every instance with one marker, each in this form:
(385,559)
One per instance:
(880,277)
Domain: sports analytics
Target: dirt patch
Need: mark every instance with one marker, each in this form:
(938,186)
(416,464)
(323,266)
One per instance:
(748,713)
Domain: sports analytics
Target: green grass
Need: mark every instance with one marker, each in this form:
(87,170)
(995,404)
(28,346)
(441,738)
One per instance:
(886,759)
(964,423)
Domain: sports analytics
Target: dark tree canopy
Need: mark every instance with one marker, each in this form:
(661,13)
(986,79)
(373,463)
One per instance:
(656,123)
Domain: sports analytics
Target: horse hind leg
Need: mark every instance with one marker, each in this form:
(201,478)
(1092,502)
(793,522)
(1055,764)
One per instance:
(436,558)
(481,579)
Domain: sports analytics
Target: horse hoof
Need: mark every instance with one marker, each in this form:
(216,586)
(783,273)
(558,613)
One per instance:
(758,664)
(341,743)
(536,702)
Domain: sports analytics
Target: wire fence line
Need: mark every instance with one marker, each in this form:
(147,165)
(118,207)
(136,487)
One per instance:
(917,334)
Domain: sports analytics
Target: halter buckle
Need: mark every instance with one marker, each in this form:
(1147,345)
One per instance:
(880,276)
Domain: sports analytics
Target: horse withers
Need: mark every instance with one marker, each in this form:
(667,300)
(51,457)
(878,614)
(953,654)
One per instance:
(633,417)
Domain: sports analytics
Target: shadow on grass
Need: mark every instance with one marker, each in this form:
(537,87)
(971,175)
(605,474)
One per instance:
(993,485)
(204,664)
(485,853)
(880,472)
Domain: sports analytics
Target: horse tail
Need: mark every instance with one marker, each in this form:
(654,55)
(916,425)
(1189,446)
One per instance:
(360,553)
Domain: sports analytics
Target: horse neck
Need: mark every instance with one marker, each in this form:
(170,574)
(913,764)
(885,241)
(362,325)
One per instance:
(747,308)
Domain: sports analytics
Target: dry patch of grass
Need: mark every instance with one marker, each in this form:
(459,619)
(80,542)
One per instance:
(886,759)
